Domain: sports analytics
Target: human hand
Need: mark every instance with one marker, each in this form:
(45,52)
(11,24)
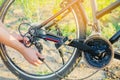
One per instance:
(20,38)
(32,56)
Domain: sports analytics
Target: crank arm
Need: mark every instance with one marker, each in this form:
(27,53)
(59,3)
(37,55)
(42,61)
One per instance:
(113,39)
(81,46)
(117,55)
(60,41)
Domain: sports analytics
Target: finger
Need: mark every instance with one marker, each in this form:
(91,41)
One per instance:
(26,40)
(40,55)
(39,62)
(35,64)
(19,37)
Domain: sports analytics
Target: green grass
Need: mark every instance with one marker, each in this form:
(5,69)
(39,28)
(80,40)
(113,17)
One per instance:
(1,1)
(31,8)
(43,73)
(110,22)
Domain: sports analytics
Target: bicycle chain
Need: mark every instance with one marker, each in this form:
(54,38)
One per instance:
(107,72)
(112,72)
(62,77)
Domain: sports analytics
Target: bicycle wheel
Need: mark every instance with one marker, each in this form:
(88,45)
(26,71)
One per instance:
(61,63)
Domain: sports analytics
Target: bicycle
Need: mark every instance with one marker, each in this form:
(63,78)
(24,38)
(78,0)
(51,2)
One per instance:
(97,51)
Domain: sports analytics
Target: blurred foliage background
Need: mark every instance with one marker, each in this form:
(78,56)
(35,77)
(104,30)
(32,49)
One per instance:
(110,23)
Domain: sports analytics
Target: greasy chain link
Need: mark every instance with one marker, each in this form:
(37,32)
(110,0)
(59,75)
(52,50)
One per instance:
(111,72)
(63,4)
(63,77)
(106,69)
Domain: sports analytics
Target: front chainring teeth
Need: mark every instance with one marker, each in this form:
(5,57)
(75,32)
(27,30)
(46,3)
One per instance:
(103,55)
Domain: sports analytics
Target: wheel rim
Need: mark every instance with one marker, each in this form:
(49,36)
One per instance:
(21,59)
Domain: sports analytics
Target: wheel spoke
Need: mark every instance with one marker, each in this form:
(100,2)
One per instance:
(34,13)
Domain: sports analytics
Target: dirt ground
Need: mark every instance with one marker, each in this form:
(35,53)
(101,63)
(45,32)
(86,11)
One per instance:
(79,72)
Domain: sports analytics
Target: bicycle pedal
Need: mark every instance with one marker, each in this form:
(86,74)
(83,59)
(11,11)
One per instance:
(64,41)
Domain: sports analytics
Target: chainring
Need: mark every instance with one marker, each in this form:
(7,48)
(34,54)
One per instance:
(103,52)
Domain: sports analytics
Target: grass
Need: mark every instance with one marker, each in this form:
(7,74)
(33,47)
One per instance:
(32,12)
(1,1)
(110,22)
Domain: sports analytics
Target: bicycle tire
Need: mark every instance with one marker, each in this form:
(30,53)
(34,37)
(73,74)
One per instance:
(66,69)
